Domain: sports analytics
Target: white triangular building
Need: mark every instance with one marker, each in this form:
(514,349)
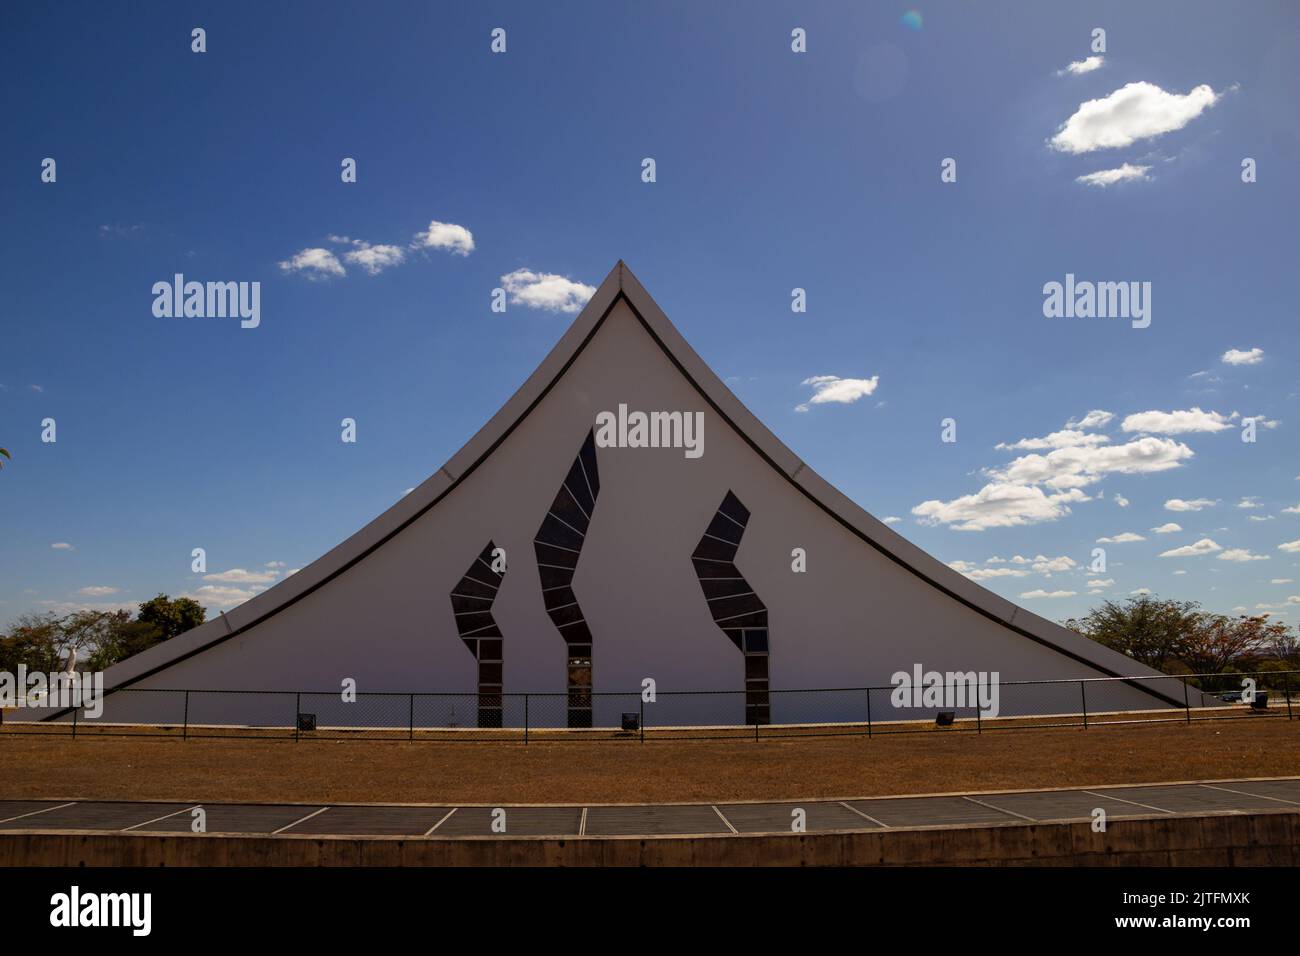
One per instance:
(656,574)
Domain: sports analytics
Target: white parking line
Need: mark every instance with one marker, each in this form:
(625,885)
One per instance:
(1243,793)
(1001,809)
(724,820)
(864,816)
(1110,796)
(442,821)
(303,820)
(32,813)
(156,819)
(582,823)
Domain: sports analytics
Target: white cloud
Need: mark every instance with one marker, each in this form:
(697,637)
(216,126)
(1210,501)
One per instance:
(543,290)
(842,391)
(274,564)
(1177,423)
(998,505)
(221,598)
(1246,357)
(240,576)
(1241,554)
(1121,501)
(1291,510)
(1100,583)
(1120,174)
(1291,547)
(984,574)
(98,590)
(1079,67)
(1168,527)
(454,239)
(1179,572)
(1250,501)
(1125,538)
(314,264)
(62,546)
(1195,504)
(1078,466)
(1097,418)
(1045,565)
(1066,438)
(1134,112)
(1281,581)
(892,519)
(374,259)
(1202,547)
(1140,592)
(1040,593)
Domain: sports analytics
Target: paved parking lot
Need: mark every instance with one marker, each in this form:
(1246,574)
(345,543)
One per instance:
(816,816)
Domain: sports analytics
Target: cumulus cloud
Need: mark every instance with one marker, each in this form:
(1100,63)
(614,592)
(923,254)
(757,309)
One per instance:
(1121,501)
(1291,547)
(984,574)
(373,259)
(1086,65)
(62,546)
(1079,465)
(1177,423)
(1195,504)
(219,597)
(998,505)
(1101,584)
(449,237)
(546,291)
(842,391)
(1125,538)
(240,576)
(1134,112)
(1169,527)
(98,590)
(1241,554)
(1243,356)
(892,519)
(1040,593)
(1250,501)
(1097,418)
(1202,547)
(1066,438)
(1120,174)
(314,263)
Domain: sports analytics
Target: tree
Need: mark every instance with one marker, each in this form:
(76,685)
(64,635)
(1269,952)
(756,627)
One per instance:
(1218,643)
(172,617)
(4,453)
(1149,630)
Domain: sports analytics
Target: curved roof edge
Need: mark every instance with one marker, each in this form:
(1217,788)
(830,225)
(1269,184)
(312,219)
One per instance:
(621,284)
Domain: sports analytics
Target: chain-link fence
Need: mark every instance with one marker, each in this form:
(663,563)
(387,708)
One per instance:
(931,702)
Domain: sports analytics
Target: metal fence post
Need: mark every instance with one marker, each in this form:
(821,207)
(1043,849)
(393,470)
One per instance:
(525,720)
(1187,706)
(979,719)
(410,734)
(297,710)
(185,724)
(1083,699)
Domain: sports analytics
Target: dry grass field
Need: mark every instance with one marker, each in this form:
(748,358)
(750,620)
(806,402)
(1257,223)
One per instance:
(626,771)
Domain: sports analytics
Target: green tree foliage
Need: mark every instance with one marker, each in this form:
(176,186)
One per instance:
(171,617)
(1179,636)
(1147,629)
(99,639)
(4,453)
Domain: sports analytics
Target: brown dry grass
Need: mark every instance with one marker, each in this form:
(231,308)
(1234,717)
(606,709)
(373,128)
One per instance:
(625,771)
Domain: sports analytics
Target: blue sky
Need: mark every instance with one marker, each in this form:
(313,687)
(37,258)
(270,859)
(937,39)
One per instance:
(775,170)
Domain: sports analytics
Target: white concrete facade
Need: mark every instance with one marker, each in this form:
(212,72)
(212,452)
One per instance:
(377,608)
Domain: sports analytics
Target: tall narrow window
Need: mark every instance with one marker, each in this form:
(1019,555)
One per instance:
(558,545)
(471,603)
(734,606)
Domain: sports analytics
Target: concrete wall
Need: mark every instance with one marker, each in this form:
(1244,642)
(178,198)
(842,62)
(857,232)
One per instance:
(1263,839)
